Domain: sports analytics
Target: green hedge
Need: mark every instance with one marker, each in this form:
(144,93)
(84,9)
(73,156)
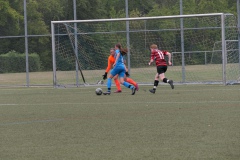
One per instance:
(13,62)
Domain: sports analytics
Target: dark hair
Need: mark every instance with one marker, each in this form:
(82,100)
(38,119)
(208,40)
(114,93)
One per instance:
(123,51)
(119,45)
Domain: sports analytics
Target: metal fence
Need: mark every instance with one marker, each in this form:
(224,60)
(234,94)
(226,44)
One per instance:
(34,43)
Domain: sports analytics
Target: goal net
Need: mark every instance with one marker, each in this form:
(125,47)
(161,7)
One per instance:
(204,48)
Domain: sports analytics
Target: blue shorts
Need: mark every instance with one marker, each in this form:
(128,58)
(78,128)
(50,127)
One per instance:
(120,70)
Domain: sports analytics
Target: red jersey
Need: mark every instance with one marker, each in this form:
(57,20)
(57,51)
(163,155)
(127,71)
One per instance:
(158,56)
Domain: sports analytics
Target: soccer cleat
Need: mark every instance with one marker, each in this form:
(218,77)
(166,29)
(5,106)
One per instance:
(118,91)
(152,90)
(133,90)
(107,93)
(137,88)
(171,83)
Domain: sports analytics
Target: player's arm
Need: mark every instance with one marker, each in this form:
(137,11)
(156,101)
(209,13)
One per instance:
(151,59)
(108,68)
(126,71)
(150,62)
(109,64)
(118,55)
(169,58)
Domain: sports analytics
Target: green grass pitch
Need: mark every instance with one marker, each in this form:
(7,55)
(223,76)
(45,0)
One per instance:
(190,122)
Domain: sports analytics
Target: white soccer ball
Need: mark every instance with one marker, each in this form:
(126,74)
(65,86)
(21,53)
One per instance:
(98,91)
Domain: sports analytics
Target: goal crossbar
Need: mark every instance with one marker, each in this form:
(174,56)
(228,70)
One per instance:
(142,18)
(142,28)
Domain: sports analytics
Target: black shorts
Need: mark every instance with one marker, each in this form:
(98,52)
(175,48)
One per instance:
(161,69)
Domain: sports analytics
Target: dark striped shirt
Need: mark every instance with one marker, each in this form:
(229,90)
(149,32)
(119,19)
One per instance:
(158,56)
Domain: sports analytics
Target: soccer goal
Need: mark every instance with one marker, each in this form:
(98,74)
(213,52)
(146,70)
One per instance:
(204,48)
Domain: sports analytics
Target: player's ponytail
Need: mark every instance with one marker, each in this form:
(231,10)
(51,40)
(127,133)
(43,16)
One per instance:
(124,51)
(119,46)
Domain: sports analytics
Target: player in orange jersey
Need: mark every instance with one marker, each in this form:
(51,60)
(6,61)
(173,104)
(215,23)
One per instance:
(111,61)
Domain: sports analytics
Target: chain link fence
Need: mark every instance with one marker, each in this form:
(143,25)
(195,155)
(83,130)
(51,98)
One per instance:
(38,70)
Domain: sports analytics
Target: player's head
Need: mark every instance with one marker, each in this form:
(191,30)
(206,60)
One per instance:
(153,46)
(112,51)
(118,46)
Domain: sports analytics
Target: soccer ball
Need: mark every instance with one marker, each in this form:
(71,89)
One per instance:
(98,91)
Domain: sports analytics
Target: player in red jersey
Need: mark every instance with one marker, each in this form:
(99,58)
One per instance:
(161,65)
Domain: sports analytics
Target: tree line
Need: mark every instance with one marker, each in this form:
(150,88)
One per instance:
(40,13)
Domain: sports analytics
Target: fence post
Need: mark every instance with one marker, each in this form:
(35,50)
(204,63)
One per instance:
(26,42)
(238,28)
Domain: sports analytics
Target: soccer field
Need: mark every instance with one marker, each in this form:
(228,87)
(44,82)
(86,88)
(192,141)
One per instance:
(189,122)
(194,74)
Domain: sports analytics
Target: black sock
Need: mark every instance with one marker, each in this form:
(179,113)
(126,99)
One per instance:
(155,84)
(165,80)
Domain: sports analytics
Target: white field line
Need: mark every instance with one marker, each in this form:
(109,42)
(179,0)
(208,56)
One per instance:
(30,122)
(106,103)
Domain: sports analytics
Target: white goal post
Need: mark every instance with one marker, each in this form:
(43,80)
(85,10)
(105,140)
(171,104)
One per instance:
(205,49)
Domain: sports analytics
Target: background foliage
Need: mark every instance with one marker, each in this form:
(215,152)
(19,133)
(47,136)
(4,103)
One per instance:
(40,13)
(12,62)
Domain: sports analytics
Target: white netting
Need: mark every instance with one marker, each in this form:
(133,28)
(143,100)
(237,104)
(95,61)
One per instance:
(202,49)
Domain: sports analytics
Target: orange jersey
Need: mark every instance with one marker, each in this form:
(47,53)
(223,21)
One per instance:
(111,61)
